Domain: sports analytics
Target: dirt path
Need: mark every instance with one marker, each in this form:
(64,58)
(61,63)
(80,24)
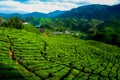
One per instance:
(11,55)
(10,49)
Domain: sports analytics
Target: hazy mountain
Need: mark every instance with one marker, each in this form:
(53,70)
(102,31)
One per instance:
(33,14)
(94,11)
(55,13)
(3,15)
(15,15)
(36,14)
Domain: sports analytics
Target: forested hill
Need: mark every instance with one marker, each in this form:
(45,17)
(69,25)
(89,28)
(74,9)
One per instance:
(94,11)
(28,56)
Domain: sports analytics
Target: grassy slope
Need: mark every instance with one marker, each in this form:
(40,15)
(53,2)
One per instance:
(24,55)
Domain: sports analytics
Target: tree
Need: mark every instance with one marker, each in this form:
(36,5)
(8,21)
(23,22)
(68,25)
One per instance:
(93,23)
(1,20)
(13,22)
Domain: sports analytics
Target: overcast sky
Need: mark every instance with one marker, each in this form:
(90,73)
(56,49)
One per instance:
(45,6)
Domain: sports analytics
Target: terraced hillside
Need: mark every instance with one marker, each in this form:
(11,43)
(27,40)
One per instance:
(28,56)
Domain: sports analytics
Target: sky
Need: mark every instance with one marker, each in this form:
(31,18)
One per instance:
(46,6)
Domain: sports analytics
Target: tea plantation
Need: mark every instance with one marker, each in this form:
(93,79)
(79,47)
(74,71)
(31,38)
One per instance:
(28,56)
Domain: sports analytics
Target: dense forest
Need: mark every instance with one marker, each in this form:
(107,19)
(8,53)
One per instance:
(80,44)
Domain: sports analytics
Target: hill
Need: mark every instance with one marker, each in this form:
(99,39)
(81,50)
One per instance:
(96,11)
(55,13)
(36,14)
(27,56)
(33,14)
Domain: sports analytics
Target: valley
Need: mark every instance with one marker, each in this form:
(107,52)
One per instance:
(79,44)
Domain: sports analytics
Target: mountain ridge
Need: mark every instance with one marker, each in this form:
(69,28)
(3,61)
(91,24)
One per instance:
(96,11)
(93,11)
(33,14)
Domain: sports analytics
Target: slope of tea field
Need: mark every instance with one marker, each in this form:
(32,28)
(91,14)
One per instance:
(28,56)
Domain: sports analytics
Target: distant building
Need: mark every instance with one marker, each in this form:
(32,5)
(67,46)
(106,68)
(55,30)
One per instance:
(41,28)
(67,32)
(61,32)
(38,26)
(24,22)
(57,32)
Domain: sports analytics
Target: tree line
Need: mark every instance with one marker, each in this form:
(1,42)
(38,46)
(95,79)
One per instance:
(12,22)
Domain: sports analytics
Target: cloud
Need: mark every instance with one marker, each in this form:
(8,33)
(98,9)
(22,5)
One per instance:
(46,6)
(22,1)
(107,2)
(34,6)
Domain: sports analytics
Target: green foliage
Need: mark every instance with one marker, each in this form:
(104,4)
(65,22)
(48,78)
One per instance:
(104,78)
(105,31)
(94,77)
(13,22)
(33,20)
(99,69)
(93,23)
(30,28)
(56,57)
(105,73)
(102,12)
(87,70)
(108,32)
(113,72)
(1,20)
